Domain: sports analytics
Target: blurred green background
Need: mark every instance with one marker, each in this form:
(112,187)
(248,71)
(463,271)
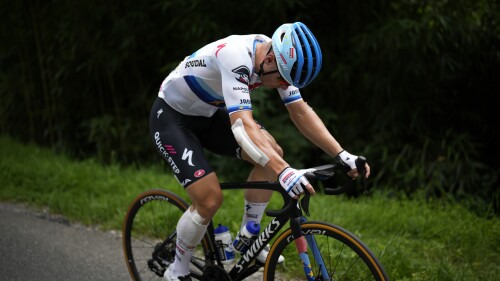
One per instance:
(412,85)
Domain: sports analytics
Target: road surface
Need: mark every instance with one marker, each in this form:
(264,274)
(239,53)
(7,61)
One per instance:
(37,246)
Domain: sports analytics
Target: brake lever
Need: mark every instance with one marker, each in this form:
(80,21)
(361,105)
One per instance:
(360,165)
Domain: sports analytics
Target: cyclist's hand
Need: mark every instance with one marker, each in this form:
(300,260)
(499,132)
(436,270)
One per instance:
(347,161)
(294,181)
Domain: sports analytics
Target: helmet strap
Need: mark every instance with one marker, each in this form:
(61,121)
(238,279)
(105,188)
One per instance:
(261,68)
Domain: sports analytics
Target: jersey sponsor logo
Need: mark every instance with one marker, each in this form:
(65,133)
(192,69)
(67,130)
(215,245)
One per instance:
(199,173)
(165,154)
(188,154)
(195,63)
(186,181)
(242,89)
(170,149)
(219,47)
(244,74)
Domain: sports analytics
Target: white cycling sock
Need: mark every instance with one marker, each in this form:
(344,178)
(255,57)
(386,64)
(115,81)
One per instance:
(253,212)
(190,231)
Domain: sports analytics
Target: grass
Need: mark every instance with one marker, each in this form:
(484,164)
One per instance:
(414,239)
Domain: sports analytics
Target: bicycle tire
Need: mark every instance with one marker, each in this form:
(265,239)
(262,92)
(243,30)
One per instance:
(151,218)
(345,256)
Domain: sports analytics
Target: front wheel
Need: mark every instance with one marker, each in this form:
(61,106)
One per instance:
(334,253)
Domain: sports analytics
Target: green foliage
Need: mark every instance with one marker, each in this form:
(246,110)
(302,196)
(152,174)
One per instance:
(425,72)
(414,239)
(412,85)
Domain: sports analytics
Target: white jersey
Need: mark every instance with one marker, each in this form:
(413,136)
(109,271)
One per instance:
(219,75)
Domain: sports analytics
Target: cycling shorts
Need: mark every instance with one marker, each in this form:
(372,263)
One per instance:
(180,140)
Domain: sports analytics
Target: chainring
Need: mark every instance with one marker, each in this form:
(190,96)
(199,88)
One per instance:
(215,273)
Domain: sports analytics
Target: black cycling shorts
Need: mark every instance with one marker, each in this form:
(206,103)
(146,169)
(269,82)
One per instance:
(180,140)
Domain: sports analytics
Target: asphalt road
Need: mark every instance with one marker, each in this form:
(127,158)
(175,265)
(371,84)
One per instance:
(35,246)
(38,246)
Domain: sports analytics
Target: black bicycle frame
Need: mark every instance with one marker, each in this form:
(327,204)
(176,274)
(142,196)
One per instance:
(289,212)
(242,268)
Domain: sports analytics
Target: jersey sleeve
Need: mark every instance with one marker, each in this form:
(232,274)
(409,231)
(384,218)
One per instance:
(235,67)
(289,95)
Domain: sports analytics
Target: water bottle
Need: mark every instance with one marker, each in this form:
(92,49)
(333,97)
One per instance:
(223,240)
(246,236)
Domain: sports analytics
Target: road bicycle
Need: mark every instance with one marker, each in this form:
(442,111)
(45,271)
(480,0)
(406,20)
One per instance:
(313,250)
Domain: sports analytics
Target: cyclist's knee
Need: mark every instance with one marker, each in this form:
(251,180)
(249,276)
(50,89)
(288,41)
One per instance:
(209,206)
(206,195)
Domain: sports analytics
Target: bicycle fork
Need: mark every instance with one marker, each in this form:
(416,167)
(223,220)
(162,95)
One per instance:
(301,245)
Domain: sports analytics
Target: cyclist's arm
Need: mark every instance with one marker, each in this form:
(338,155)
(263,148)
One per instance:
(275,163)
(312,127)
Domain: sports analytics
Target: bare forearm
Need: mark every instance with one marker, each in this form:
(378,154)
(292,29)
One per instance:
(313,128)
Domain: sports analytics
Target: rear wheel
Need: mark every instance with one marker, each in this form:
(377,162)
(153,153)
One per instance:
(149,234)
(344,256)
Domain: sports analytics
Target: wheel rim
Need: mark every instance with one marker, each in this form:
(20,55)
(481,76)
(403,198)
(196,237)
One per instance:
(344,256)
(151,219)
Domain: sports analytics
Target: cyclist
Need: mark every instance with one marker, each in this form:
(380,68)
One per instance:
(205,104)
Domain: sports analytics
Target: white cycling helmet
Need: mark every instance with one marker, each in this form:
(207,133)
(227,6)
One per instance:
(297,53)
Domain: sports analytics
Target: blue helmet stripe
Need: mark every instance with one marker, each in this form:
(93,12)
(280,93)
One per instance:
(317,52)
(300,59)
(309,56)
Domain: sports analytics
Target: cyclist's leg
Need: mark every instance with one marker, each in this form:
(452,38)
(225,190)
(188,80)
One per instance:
(206,198)
(176,139)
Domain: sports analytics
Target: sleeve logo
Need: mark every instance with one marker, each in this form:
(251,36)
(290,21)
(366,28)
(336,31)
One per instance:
(243,74)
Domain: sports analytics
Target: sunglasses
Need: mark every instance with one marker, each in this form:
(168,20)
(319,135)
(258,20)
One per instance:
(280,78)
